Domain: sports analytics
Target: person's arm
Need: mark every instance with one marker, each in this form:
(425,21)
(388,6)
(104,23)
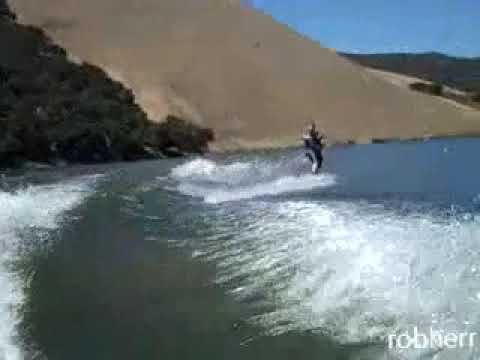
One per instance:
(321,142)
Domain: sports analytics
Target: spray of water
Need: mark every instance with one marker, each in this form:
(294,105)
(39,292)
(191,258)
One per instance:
(217,183)
(38,208)
(352,270)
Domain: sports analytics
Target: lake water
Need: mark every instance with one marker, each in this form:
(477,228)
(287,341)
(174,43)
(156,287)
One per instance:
(244,256)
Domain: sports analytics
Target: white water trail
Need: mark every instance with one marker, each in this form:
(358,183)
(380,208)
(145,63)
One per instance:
(354,271)
(37,208)
(217,183)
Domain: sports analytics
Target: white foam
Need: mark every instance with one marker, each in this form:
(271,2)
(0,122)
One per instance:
(36,207)
(208,170)
(356,271)
(283,185)
(353,270)
(217,183)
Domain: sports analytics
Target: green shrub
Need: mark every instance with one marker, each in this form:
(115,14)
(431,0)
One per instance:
(437,89)
(432,89)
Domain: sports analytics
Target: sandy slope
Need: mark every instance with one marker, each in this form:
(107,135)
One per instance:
(255,81)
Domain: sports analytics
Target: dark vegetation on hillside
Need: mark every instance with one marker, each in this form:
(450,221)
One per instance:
(459,73)
(436,69)
(435,89)
(470,99)
(53,110)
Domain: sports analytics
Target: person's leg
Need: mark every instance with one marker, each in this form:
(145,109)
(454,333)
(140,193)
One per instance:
(310,156)
(320,161)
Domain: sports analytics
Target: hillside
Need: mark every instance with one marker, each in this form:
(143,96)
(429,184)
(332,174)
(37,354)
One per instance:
(251,79)
(460,73)
(53,110)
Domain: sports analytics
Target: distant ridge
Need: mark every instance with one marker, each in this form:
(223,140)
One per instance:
(457,72)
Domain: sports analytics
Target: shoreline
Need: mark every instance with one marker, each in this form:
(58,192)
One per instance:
(260,145)
(42,166)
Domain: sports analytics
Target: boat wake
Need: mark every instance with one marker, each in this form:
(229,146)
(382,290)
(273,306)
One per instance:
(217,183)
(354,271)
(37,208)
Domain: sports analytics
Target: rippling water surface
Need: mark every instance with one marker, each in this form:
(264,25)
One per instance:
(244,256)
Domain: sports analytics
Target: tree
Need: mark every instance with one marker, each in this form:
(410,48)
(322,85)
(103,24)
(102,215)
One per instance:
(432,89)
(437,89)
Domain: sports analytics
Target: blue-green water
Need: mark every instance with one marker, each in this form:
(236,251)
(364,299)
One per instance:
(243,256)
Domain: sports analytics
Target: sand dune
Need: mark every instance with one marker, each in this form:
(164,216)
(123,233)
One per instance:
(254,81)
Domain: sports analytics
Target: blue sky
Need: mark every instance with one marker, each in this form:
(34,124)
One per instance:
(366,26)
